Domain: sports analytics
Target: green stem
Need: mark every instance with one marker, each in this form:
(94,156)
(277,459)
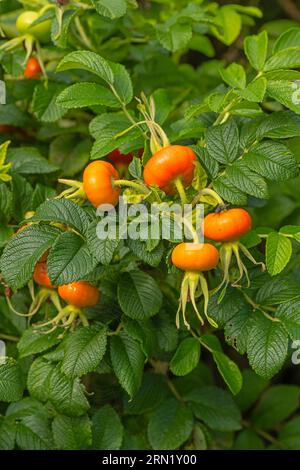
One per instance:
(125,110)
(9,337)
(265,435)
(225,114)
(258,307)
(84,38)
(132,184)
(181,191)
(209,192)
(116,332)
(174,391)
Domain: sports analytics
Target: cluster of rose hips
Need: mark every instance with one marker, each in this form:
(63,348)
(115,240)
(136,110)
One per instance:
(172,169)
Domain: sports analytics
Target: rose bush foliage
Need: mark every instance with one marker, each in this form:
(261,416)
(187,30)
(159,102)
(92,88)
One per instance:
(126,377)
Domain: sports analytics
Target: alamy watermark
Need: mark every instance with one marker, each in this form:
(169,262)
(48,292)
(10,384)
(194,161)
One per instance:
(2,352)
(150,221)
(296,93)
(2,92)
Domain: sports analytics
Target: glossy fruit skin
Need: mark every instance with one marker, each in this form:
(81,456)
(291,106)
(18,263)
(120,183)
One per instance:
(98,179)
(40,31)
(195,257)
(32,69)
(80,294)
(40,275)
(169,163)
(227,226)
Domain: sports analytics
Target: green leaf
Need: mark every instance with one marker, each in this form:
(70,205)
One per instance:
(107,429)
(292,230)
(110,9)
(240,176)
(115,75)
(34,341)
(209,163)
(278,252)
(29,161)
(60,33)
(229,371)
(38,380)
(152,391)
(69,259)
(67,395)
(229,25)
(168,333)
(170,425)
(143,331)
(72,433)
(289,315)
(83,94)
(12,115)
(69,153)
(284,59)
(186,357)
(89,61)
(267,346)
(23,252)
(128,362)
(228,192)
(278,291)
(135,168)
(63,211)
(276,405)
(139,295)
(84,351)
(290,434)
(222,142)
(216,408)
(139,248)
(279,125)
(175,37)
(248,440)
(34,433)
(7,434)
(6,203)
(255,91)
(11,382)
(272,160)
(253,386)
(44,102)
(234,75)
(286,92)
(103,250)
(256,48)
(289,38)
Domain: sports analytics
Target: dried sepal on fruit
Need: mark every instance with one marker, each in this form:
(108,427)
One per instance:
(78,295)
(194,259)
(227,226)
